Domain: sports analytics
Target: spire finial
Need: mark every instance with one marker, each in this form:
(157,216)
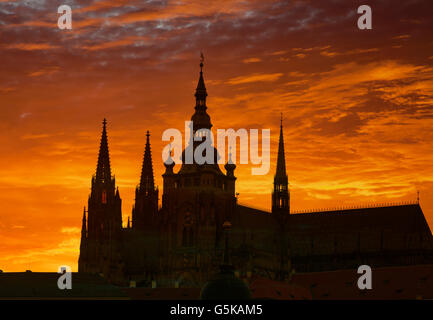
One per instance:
(147,137)
(281,119)
(201,61)
(417,196)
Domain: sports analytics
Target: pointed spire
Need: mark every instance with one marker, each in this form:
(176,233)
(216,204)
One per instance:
(200,92)
(103,170)
(84,225)
(281,160)
(147,181)
(129,225)
(281,195)
(200,118)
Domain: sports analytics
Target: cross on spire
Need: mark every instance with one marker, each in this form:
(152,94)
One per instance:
(201,61)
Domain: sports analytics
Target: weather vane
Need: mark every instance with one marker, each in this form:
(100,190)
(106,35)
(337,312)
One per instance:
(201,57)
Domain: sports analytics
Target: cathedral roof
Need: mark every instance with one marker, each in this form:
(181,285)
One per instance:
(370,229)
(406,217)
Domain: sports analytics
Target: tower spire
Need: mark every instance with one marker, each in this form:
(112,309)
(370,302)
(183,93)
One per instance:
(200,118)
(82,259)
(281,160)
(103,170)
(280,195)
(84,227)
(200,92)
(146,195)
(147,181)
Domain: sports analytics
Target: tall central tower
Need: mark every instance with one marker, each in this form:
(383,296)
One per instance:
(196,201)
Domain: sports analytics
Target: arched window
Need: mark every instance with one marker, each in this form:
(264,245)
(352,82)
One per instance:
(104,197)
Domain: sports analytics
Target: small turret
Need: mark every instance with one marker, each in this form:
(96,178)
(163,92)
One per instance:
(230,166)
(231,179)
(169,163)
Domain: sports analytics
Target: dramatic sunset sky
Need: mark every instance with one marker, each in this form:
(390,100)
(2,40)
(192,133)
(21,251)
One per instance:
(357,105)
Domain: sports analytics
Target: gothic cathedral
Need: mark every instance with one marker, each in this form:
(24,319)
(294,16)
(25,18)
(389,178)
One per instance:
(181,244)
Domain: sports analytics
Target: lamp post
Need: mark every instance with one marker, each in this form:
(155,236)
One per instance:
(226,228)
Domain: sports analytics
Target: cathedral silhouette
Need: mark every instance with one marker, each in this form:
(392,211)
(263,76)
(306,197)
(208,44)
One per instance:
(182,244)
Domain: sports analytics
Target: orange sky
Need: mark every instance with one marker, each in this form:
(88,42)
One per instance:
(357,104)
